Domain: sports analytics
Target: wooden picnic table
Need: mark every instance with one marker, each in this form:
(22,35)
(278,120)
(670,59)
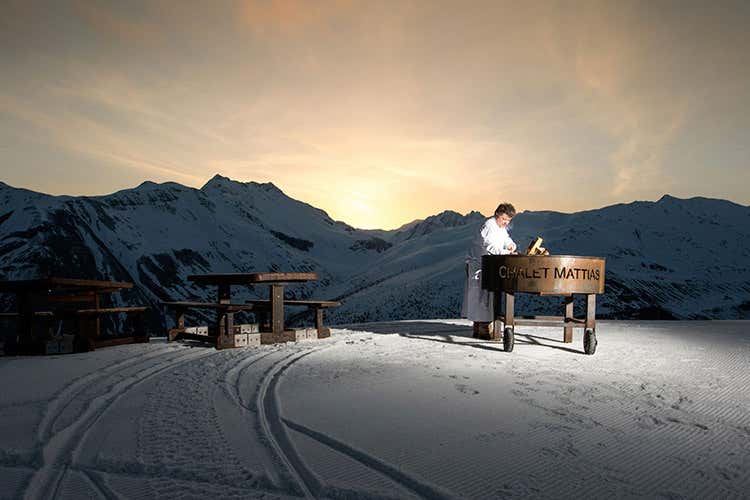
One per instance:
(274,280)
(61,296)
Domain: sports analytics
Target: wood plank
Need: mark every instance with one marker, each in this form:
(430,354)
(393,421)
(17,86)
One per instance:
(73,294)
(508,318)
(18,286)
(251,278)
(210,339)
(66,299)
(568,329)
(323,331)
(224,319)
(210,305)
(591,311)
(36,314)
(113,341)
(309,303)
(277,308)
(538,322)
(109,310)
(559,319)
(267,338)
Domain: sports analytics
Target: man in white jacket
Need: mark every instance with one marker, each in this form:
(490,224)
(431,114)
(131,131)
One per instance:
(493,239)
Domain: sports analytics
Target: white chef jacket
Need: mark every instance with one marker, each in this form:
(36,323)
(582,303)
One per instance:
(491,240)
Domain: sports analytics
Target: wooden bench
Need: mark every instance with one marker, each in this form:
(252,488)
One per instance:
(314,305)
(181,307)
(36,314)
(88,338)
(88,320)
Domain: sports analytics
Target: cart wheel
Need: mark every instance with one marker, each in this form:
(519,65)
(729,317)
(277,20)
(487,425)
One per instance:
(508,339)
(589,342)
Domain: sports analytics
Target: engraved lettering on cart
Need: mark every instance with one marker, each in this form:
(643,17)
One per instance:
(560,273)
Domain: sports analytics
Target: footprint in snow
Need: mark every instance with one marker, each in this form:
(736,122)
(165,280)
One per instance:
(466,389)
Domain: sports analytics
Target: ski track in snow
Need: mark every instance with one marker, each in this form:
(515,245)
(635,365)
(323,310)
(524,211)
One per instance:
(228,424)
(60,448)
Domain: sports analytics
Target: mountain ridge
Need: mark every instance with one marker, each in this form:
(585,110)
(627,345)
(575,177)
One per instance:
(672,258)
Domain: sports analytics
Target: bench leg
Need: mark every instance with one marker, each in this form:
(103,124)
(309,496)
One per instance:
(277,309)
(86,334)
(261,317)
(224,321)
(225,331)
(25,325)
(323,332)
(180,326)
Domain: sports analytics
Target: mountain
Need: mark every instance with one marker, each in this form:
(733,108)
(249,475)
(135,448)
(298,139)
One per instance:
(674,258)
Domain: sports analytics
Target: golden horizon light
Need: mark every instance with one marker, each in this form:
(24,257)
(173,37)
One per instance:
(381,113)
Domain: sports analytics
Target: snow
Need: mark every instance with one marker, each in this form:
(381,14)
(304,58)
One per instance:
(402,409)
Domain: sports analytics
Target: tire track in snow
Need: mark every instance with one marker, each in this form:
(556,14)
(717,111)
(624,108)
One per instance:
(192,431)
(234,375)
(97,484)
(273,428)
(274,425)
(62,447)
(392,472)
(62,399)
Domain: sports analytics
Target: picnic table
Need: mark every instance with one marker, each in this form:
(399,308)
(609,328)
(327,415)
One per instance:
(54,298)
(276,281)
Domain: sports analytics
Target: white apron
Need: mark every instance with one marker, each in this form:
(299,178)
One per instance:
(491,240)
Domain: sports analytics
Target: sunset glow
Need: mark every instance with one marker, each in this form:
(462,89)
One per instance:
(381,112)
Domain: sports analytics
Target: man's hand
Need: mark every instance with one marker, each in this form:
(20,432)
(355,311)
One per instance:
(511,247)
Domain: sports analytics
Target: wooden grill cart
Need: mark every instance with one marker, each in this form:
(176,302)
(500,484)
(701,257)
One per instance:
(562,275)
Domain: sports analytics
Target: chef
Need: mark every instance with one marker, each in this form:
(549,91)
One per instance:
(492,239)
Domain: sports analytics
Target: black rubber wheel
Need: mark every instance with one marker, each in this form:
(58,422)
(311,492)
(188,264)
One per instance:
(589,342)
(508,339)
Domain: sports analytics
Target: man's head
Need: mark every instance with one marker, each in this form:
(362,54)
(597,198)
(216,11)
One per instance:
(504,213)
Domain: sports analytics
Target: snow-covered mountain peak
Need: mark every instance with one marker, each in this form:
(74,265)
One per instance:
(684,258)
(219,182)
(147,186)
(446,219)
(229,186)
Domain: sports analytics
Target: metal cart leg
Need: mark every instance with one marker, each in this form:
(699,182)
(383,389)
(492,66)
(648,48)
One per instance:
(508,335)
(589,336)
(568,328)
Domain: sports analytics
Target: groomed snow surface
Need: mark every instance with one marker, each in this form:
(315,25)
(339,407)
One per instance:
(388,410)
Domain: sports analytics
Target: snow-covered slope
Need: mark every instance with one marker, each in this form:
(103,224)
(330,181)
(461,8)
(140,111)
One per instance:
(671,258)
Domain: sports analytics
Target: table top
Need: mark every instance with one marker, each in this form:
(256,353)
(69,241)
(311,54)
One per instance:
(251,278)
(50,283)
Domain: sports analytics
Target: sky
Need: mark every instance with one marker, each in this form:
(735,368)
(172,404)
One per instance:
(381,112)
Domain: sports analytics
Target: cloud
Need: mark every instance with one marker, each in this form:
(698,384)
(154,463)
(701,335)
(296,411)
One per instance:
(289,17)
(99,139)
(110,23)
(420,108)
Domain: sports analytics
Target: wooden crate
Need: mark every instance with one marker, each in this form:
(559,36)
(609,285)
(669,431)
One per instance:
(269,338)
(240,340)
(305,334)
(197,330)
(52,347)
(246,328)
(247,340)
(253,339)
